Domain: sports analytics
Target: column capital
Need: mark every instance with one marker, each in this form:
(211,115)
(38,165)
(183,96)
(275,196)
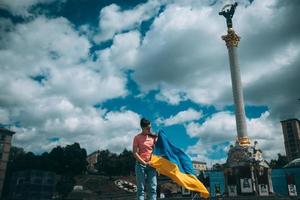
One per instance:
(231,39)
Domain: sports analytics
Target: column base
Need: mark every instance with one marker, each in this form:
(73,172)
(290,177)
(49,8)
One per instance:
(243,141)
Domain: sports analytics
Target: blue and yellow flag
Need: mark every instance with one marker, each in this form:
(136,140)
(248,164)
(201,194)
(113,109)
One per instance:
(171,161)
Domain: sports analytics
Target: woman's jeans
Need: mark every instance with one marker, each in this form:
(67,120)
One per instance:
(143,172)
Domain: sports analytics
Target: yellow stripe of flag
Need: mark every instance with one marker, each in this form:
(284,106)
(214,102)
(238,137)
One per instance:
(188,181)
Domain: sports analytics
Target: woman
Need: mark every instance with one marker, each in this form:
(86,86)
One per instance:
(143,145)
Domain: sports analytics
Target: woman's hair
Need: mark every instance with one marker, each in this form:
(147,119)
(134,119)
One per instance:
(144,122)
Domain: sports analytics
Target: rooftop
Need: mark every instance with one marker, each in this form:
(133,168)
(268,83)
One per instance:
(288,120)
(6,131)
(293,163)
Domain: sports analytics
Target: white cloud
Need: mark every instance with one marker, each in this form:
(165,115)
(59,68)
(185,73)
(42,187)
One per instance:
(183,55)
(62,57)
(215,129)
(122,53)
(52,41)
(114,20)
(181,117)
(85,85)
(172,96)
(59,103)
(113,130)
(4,116)
(170,59)
(221,128)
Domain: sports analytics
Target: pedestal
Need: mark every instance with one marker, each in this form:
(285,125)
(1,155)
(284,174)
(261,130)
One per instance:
(246,173)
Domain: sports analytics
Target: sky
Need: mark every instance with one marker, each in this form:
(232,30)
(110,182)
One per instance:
(87,71)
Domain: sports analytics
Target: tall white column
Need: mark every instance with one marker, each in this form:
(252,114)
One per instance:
(232,40)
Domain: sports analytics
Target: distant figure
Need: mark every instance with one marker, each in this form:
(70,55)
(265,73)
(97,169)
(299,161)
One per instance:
(228,13)
(143,145)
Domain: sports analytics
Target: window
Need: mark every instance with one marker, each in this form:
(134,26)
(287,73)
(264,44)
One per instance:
(292,143)
(1,150)
(20,181)
(2,138)
(36,180)
(49,181)
(290,135)
(289,127)
(185,191)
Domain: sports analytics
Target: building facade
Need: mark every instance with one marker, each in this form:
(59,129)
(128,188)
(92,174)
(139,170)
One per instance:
(199,167)
(282,180)
(32,185)
(5,144)
(291,134)
(92,160)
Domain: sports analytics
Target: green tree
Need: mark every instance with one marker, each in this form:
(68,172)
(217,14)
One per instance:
(111,164)
(57,160)
(126,162)
(69,160)
(108,163)
(217,166)
(280,162)
(75,157)
(14,154)
(66,161)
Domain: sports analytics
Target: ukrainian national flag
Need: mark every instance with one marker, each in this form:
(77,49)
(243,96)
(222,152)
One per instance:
(171,161)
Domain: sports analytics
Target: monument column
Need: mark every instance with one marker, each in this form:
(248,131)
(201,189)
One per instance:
(245,169)
(232,40)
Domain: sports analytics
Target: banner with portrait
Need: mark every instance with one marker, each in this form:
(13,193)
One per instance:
(292,190)
(263,190)
(246,185)
(232,192)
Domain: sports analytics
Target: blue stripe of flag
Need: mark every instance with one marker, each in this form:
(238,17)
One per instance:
(166,149)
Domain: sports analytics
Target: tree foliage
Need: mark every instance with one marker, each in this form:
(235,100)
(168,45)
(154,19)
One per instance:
(280,162)
(69,160)
(217,166)
(111,164)
(66,161)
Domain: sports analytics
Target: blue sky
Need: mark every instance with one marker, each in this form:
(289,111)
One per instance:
(87,71)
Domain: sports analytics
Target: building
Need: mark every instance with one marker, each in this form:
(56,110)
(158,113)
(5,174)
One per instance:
(199,167)
(285,184)
(5,143)
(92,160)
(32,185)
(291,134)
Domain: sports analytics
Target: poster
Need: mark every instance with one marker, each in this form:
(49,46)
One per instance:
(232,192)
(292,190)
(246,185)
(185,191)
(263,190)
(218,190)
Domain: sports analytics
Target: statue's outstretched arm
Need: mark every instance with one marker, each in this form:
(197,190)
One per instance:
(222,13)
(232,9)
